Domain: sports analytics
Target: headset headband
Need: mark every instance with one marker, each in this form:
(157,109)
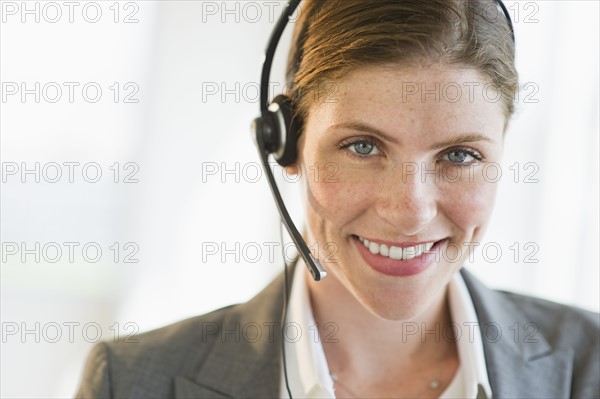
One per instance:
(276,36)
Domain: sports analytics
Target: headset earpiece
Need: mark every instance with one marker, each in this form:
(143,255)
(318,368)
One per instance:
(279,130)
(289,128)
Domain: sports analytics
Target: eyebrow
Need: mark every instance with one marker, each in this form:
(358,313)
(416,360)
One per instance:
(363,127)
(463,138)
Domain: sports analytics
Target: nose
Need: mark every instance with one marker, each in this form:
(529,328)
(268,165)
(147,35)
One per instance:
(407,202)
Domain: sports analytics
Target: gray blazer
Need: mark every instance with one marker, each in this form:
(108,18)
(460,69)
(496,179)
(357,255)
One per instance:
(533,348)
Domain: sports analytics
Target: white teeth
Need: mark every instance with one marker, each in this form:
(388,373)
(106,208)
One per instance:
(384,250)
(396,253)
(420,249)
(409,253)
(374,247)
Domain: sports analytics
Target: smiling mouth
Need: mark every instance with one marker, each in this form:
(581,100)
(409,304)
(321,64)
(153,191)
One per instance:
(396,252)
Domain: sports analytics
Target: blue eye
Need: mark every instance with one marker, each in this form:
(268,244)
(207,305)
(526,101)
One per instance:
(457,156)
(463,156)
(361,148)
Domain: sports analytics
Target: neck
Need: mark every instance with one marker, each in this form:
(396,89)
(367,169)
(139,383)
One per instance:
(360,344)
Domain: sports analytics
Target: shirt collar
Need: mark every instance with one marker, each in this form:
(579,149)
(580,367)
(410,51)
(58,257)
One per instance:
(308,373)
(469,344)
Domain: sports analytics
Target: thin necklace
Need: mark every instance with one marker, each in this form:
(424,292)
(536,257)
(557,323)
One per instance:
(433,385)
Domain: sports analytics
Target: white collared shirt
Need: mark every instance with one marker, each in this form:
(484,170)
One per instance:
(307,369)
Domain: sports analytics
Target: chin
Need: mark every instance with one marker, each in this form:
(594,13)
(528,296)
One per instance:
(399,306)
(395,299)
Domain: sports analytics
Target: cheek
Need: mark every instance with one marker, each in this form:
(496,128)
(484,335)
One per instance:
(468,205)
(334,196)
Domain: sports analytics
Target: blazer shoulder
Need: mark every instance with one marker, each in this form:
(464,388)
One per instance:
(558,347)
(150,364)
(555,317)
(150,360)
(571,329)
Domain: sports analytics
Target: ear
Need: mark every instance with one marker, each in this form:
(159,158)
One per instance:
(296,168)
(293,169)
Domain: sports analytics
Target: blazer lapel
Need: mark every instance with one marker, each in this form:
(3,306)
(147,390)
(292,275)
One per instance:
(250,335)
(186,389)
(520,362)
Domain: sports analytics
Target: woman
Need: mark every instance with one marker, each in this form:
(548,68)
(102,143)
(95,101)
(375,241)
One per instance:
(406,102)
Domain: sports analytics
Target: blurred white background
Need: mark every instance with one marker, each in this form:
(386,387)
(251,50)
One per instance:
(169,133)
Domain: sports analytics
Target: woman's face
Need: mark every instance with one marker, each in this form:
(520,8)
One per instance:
(404,158)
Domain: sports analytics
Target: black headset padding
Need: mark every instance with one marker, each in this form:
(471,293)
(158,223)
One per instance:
(289,130)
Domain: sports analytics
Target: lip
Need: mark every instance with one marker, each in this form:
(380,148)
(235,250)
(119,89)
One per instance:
(401,268)
(397,244)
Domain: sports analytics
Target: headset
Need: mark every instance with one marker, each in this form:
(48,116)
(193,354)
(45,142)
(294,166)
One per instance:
(276,131)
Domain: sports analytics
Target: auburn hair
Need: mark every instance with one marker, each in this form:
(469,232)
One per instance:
(334,37)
